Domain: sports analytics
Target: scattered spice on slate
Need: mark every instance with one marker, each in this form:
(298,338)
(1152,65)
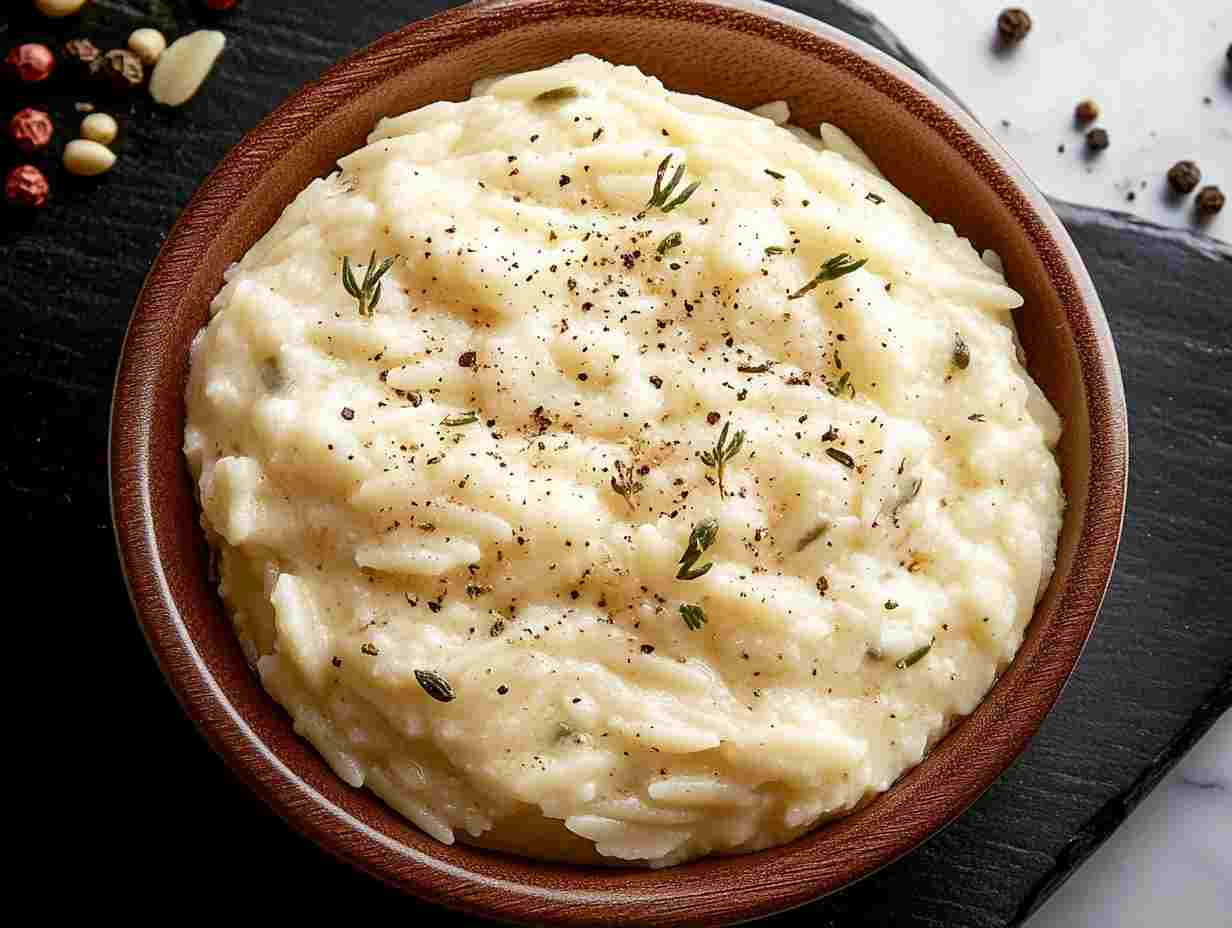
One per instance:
(1097,139)
(80,55)
(1086,111)
(1184,177)
(26,187)
(435,685)
(31,130)
(119,70)
(30,63)
(1210,200)
(1013,25)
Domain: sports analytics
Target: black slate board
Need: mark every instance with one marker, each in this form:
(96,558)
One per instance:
(151,814)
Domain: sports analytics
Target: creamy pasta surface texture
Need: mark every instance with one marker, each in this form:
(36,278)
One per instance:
(672,489)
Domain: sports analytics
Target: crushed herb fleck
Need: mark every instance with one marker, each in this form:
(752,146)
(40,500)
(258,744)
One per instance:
(435,685)
(842,457)
(694,617)
(701,538)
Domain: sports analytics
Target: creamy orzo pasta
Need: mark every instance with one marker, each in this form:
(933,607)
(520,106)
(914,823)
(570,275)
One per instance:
(601,470)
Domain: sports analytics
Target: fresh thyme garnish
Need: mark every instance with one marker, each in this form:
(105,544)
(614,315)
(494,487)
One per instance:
(775,249)
(961,354)
(435,685)
(693,616)
(701,538)
(775,174)
(626,484)
(836,267)
(368,294)
(914,657)
(723,452)
(469,418)
(842,457)
(812,535)
(912,491)
(673,240)
(840,386)
(661,197)
(558,94)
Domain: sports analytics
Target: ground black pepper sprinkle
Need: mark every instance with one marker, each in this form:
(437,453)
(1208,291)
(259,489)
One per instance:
(712,418)
(1013,25)
(1184,177)
(348,413)
(1097,139)
(466,359)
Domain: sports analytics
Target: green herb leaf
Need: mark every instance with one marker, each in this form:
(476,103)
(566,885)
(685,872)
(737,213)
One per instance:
(661,197)
(842,457)
(961,354)
(812,535)
(775,174)
(367,294)
(775,249)
(723,452)
(762,368)
(435,685)
(469,418)
(701,538)
(626,484)
(673,240)
(840,386)
(693,616)
(836,267)
(558,94)
(915,656)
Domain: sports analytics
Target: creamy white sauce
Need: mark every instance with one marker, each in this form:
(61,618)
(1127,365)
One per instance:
(851,612)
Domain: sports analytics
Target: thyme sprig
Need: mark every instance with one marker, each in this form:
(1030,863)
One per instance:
(723,452)
(694,617)
(841,386)
(367,294)
(915,656)
(435,685)
(838,266)
(626,484)
(558,94)
(661,198)
(670,241)
(701,538)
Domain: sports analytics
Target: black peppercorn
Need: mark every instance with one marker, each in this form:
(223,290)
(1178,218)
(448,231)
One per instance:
(1184,176)
(1086,111)
(1210,200)
(1097,139)
(1013,25)
(80,55)
(120,70)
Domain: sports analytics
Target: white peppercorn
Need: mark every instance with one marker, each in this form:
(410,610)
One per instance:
(99,127)
(147,44)
(86,158)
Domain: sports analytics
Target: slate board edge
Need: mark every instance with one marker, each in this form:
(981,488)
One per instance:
(1100,826)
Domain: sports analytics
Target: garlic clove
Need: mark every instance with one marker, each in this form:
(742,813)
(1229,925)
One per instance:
(184,66)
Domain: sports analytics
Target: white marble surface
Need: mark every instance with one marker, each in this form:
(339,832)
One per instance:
(1151,65)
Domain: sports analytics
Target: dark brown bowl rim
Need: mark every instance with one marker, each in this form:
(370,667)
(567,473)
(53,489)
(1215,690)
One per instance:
(768,881)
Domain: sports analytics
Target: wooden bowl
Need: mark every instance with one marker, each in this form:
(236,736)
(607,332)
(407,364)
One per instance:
(744,53)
